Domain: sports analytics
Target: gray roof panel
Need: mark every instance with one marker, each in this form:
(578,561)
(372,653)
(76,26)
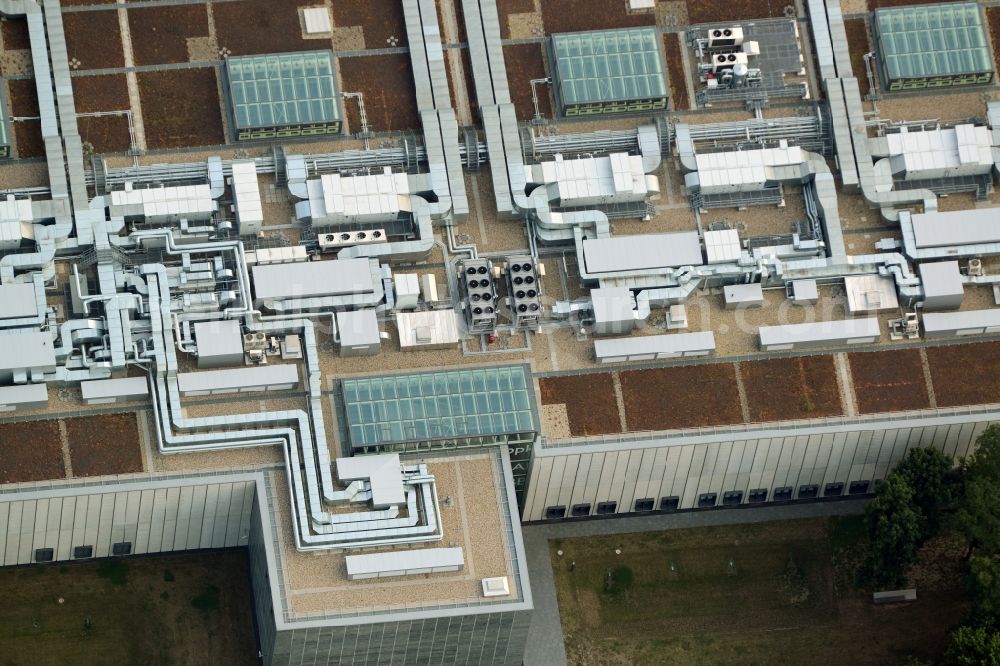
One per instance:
(336,277)
(17,300)
(27,350)
(960,227)
(642,252)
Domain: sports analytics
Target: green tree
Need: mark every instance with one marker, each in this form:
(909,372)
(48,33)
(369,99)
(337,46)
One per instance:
(978,515)
(927,471)
(973,646)
(984,587)
(895,530)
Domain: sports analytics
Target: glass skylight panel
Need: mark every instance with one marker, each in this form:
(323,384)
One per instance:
(605,66)
(438,405)
(291,88)
(933,40)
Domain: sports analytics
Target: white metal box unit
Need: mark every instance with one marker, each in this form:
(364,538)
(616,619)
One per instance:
(407,290)
(23,396)
(431,329)
(246,198)
(26,356)
(313,279)
(15,222)
(276,255)
(804,292)
(498,585)
(220,343)
(722,246)
(291,348)
(365,199)
(958,324)
(428,288)
(524,289)
(359,333)
(476,280)
(820,334)
(642,252)
(975,226)
(107,391)
(677,317)
(164,204)
(743,296)
(316,20)
(404,563)
(239,380)
(725,37)
(963,150)
(723,61)
(18,300)
(652,347)
(870,293)
(742,170)
(943,288)
(613,310)
(595,181)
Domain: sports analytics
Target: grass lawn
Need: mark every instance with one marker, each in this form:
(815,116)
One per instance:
(771,593)
(178,609)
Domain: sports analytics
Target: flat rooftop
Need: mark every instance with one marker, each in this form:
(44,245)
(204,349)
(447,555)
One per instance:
(316,584)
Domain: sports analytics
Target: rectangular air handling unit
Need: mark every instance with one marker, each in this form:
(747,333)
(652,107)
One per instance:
(725,37)
(724,61)
(524,286)
(477,283)
(340,239)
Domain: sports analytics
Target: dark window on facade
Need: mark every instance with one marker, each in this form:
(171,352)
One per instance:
(783,493)
(83,552)
(606,507)
(122,548)
(553,512)
(858,487)
(670,503)
(732,497)
(706,500)
(580,510)
(645,504)
(758,495)
(44,554)
(808,491)
(833,489)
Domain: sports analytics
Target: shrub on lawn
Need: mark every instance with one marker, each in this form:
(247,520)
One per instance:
(618,580)
(114,571)
(207,600)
